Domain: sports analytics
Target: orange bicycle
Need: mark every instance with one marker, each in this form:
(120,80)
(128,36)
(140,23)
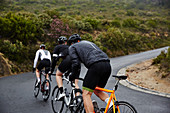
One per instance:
(118,106)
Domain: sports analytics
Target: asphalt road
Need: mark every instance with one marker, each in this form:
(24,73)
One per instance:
(16,92)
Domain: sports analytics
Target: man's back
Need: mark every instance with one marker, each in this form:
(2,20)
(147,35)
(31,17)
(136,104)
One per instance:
(87,53)
(43,54)
(61,49)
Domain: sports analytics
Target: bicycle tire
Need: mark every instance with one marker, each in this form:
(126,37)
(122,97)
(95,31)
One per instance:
(57,105)
(36,89)
(124,107)
(46,93)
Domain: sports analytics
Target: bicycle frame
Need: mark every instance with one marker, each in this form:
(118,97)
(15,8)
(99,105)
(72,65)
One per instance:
(111,98)
(68,100)
(43,74)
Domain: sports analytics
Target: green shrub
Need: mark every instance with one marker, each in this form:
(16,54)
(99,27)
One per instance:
(87,27)
(151,23)
(16,27)
(130,13)
(16,52)
(169,27)
(116,23)
(143,28)
(129,23)
(62,8)
(99,17)
(94,22)
(79,25)
(113,39)
(159,58)
(132,42)
(163,59)
(113,15)
(88,37)
(44,20)
(53,13)
(152,34)
(168,54)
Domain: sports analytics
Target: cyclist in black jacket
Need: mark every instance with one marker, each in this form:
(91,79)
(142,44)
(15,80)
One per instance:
(61,51)
(98,65)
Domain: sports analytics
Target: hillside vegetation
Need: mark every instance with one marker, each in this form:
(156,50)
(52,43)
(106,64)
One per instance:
(163,62)
(118,27)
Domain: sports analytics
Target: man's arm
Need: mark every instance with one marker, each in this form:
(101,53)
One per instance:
(54,61)
(76,64)
(36,59)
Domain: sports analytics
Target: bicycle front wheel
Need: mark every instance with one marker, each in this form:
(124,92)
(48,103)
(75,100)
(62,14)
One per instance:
(57,105)
(47,90)
(76,105)
(124,107)
(36,89)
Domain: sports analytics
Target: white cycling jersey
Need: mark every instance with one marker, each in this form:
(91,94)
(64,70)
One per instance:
(42,54)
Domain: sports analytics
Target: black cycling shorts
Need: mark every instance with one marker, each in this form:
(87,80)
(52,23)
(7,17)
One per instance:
(97,75)
(44,63)
(65,64)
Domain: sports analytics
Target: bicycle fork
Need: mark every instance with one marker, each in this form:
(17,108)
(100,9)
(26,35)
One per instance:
(67,98)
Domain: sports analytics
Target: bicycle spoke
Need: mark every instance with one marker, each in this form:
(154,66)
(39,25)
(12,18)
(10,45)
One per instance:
(57,105)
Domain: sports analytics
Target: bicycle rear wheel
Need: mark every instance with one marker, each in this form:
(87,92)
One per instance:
(57,105)
(46,92)
(36,89)
(124,107)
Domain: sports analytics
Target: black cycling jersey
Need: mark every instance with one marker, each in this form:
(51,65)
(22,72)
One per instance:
(60,51)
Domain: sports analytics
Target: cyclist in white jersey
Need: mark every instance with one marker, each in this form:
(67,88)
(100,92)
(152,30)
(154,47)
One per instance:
(45,58)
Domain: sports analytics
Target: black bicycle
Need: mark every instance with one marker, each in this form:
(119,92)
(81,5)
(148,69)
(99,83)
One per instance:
(71,102)
(44,87)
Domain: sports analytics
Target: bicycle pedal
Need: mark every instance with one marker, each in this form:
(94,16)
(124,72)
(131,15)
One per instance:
(102,109)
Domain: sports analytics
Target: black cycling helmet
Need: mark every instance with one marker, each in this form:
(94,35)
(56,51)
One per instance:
(74,38)
(42,46)
(62,39)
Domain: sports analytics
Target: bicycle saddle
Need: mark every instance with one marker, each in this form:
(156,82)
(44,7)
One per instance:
(120,77)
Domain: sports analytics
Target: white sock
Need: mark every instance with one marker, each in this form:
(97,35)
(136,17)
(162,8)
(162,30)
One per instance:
(38,79)
(107,100)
